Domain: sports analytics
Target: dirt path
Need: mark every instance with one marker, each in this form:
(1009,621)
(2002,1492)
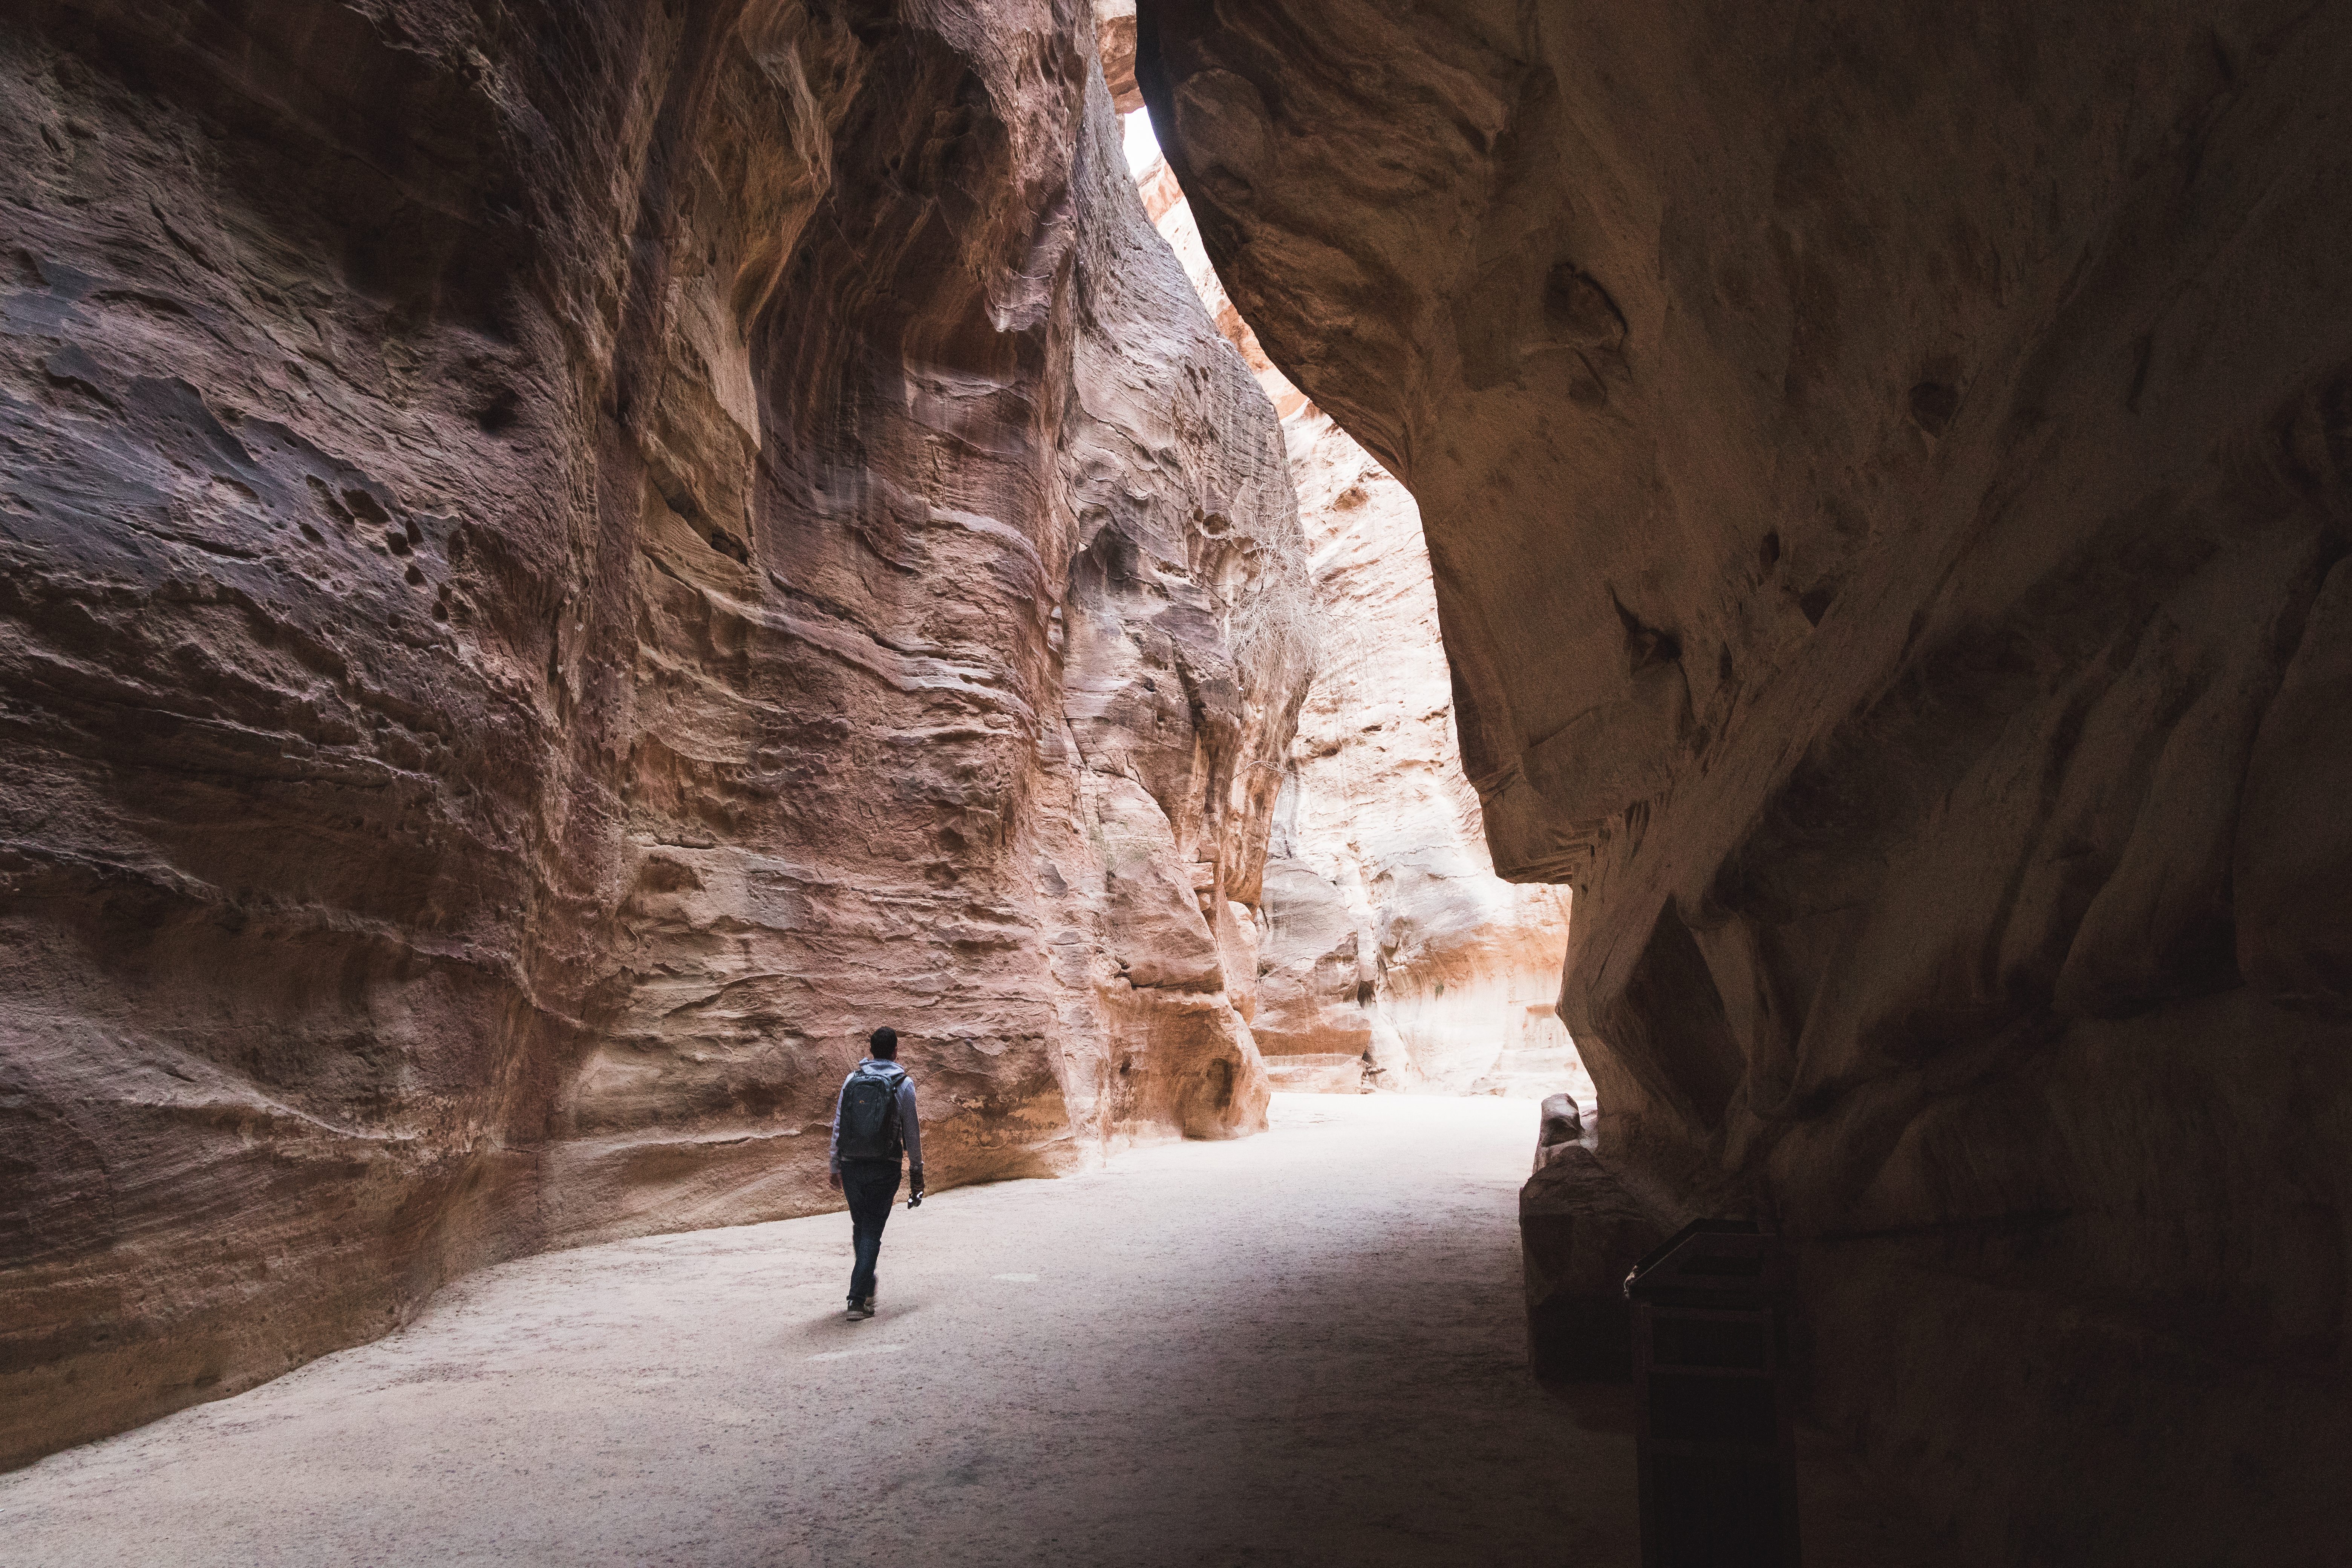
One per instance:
(1301,1347)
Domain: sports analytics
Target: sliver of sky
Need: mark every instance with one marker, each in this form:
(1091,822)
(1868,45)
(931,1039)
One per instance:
(1142,146)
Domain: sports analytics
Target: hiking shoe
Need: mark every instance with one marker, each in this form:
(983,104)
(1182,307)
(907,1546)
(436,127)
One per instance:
(859,1311)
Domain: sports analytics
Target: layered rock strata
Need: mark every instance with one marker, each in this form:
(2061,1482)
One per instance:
(1392,956)
(1888,479)
(561,564)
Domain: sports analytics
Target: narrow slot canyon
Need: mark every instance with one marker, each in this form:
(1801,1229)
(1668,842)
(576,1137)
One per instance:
(1427,658)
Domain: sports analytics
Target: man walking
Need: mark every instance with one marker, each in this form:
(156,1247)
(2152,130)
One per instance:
(873,1122)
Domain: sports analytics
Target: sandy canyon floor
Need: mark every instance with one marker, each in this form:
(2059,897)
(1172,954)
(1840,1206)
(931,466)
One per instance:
(1299,1348)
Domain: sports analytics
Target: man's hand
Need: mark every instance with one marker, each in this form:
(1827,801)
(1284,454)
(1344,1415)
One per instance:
(915,1182)
(832,1180)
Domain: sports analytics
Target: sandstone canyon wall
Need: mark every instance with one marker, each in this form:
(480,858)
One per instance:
(1888,477)
(1378,854)
(558,563)
(1391,955)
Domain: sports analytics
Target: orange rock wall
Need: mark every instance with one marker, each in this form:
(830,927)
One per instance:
(559,563)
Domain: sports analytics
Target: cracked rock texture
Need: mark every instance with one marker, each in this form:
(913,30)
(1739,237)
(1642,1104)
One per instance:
(1888,480)
(559,563)
(1392,955)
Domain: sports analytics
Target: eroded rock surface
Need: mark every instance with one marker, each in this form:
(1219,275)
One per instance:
(1887,477)
(557,564)
(1392,956)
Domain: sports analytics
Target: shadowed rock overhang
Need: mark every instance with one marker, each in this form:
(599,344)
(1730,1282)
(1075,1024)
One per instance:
(1888,475)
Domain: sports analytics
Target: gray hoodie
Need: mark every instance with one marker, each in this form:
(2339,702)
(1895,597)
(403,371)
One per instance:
(907,1128)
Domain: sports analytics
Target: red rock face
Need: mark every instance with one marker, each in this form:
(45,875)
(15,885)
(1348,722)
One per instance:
(1886,478)
(561,565)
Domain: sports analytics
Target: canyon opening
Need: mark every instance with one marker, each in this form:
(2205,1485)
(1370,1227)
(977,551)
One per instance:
(1422,654)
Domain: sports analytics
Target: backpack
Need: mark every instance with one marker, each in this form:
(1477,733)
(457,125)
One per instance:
(870,1115)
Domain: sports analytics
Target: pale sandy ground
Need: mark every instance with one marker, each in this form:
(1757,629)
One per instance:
(1301,1347)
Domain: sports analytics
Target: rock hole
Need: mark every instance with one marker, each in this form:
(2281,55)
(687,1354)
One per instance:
(326,499)
(496,412)
(1645,644)
(1933,404)
(1579,310)
(726,544)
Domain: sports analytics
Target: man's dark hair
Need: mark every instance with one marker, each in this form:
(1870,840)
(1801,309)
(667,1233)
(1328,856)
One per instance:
(883,1044)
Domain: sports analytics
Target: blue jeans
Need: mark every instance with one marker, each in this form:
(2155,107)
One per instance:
(870,1185)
